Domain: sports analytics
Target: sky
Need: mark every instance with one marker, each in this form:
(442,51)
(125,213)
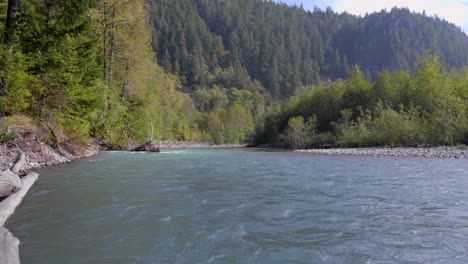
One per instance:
(454,11)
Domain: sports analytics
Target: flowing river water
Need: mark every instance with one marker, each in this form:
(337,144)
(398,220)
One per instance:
(246,206)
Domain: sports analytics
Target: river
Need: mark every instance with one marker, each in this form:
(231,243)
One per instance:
(245,206)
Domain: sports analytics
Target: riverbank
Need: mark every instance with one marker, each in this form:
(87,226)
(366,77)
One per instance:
(434,152)
(17,158)
(39,154)
(196,145)
(167,145)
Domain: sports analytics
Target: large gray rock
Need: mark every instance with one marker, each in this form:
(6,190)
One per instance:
(9,183)
(9,252)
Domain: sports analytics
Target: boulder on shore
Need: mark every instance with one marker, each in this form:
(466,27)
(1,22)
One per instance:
(9,183)
(149,146)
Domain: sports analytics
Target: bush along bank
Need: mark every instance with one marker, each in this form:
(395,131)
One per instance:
(429,108)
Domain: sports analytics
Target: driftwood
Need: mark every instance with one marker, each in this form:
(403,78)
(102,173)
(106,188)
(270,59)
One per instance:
(150,146)
(8,206)
(19,164)
(16,188)
(9,252)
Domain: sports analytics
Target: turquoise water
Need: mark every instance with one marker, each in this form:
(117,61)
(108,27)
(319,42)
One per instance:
(246,206)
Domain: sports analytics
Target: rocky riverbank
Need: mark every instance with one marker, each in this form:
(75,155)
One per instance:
(39,154)
(167,145)
(436,152)
(196,145)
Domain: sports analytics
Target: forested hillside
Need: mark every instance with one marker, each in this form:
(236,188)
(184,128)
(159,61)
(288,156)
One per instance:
(287,47)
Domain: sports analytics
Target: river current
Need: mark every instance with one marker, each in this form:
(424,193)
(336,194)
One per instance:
(245,206)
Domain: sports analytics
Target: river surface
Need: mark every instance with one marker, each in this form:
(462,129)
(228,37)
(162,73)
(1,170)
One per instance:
(246,206)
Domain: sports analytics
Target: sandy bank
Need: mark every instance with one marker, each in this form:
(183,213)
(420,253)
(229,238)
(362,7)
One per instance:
(436,152)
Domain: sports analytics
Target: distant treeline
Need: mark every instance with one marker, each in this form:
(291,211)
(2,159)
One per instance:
(426,109)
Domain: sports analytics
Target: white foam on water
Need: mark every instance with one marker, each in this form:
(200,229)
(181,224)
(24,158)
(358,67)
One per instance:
(240,234)
(254,256)
(287,213)
(216,233)
(95,160)
(242,231)
(166,219)
(172,152)
(215,258)
(242,205)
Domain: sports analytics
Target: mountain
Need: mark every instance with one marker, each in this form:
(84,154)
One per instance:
(233,43)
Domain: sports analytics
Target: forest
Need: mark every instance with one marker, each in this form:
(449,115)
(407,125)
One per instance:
(285,48)
(87,68)
(231,72)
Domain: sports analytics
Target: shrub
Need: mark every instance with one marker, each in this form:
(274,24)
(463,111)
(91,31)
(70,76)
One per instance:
(298,134)
(6,136)
(325,139)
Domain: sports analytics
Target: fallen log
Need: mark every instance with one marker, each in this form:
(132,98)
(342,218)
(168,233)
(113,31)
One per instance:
(19,164)
(9,251)
(8,206)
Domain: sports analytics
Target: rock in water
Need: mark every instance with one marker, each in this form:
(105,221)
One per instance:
(150,146)
(9,183)
(9,252)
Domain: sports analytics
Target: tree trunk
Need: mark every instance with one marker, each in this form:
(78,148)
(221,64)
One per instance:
(8,39)
(151,135)
(10,22)
(111,48)
(124,84)
(104,39)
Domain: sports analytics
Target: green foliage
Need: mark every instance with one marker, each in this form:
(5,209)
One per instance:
(383,127)
(429,108)
(89,70)
(6,136)
(238,123)
(299,134)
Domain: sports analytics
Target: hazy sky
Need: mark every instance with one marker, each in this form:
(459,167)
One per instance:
(455,11)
